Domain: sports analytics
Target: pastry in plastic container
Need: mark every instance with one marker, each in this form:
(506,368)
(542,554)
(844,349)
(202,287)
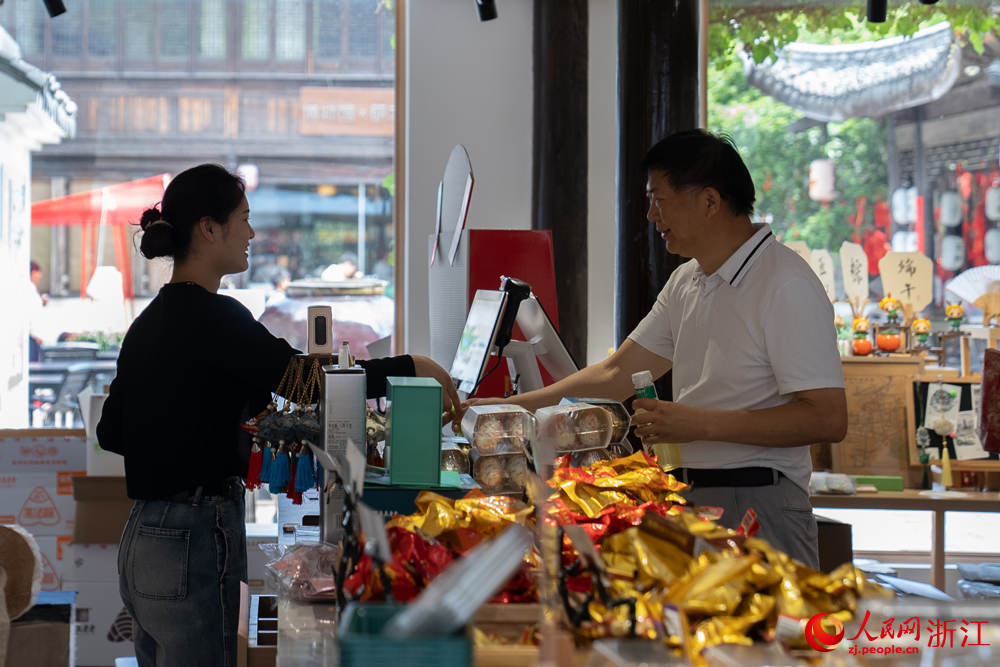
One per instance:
(588,457)
(620,418)
(498,429)
(573,427)
(499,473)
(453,458)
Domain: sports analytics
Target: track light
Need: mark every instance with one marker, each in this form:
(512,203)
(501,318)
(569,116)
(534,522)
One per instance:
(487,9)
(877,10)
(55,7)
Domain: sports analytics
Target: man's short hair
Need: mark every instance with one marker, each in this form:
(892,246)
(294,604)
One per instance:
(696,158)
(35,266)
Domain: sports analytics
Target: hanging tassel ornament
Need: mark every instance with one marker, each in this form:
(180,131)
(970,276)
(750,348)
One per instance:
(256,462)
(290,491)
(305,476)
(267,460)
(279,472)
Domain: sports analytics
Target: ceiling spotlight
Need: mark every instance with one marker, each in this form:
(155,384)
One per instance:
(487,9)
(877,10)
(55,7)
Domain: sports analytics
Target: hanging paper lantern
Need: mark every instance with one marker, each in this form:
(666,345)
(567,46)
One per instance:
(951,209)
(993,203)
(903,241)
(904,206)
(821,180)
(992,246)
(952,252)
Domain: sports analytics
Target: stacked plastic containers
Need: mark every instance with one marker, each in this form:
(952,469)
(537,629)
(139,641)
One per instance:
(583,430)
(500,436)
(620,423)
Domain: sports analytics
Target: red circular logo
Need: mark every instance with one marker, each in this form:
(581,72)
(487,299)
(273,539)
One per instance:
(820,639)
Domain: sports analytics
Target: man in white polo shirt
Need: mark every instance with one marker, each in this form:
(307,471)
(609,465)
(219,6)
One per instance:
(748,331)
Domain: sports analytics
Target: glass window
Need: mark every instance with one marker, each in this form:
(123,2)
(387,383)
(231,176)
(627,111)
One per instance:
(388,35)
(212,44)
(66,33)
(290,30)
(138,29)
(364,28)
(174,29)
(327,22)
(101,28)
(255,29)
(29,26)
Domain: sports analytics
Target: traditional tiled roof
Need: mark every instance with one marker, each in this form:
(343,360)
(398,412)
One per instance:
(837,82)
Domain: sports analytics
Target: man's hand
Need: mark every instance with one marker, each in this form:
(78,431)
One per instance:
(665,421)
(427,367)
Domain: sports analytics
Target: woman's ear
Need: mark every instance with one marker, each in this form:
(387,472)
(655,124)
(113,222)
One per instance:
(207,229)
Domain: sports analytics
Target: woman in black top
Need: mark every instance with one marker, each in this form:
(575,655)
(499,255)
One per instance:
(193,365)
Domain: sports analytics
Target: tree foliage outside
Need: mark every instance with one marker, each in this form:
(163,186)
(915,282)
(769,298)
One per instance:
(779,160)
(761,28)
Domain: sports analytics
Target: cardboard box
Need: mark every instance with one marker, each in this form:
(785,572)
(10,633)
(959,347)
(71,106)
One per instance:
(41,502)
(257,534)
(835,543)
(102,509)
(103,627)
(55,557)
(42,450)
(42,637)
(91,562)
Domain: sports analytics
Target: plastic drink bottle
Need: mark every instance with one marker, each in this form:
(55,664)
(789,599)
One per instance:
(667,453)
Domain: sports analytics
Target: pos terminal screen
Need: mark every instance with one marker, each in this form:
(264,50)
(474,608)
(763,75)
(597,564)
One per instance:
(477,338)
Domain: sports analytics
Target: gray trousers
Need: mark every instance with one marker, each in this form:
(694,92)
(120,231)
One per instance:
(783,510)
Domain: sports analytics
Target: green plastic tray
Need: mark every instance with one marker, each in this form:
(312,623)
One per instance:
(362,644)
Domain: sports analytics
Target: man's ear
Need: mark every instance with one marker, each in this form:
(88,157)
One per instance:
(711,200)
(207,229)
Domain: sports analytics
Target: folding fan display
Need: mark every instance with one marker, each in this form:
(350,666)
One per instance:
(976,282)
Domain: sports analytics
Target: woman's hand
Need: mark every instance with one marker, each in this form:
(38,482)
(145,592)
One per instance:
(428,368)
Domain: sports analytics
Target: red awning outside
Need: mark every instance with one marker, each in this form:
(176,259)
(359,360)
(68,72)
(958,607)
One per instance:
(116,206)
(120,204)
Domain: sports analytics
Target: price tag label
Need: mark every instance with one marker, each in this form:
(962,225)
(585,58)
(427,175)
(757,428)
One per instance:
(822,265)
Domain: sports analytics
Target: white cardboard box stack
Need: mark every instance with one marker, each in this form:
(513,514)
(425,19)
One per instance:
(36,491)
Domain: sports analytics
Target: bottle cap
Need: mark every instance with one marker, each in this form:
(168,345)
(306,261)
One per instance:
(642,379)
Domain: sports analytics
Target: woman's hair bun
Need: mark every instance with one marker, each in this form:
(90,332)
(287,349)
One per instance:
(157,235)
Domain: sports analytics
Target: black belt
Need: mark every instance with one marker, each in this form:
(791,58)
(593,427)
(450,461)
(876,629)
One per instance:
(705,477)
(230,487)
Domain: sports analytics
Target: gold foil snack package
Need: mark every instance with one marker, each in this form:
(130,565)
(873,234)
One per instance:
(573,427)
(498,429)
(621,420)
(453,458)
(499,473)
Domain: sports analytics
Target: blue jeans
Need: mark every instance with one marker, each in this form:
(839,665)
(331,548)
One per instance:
(180,565)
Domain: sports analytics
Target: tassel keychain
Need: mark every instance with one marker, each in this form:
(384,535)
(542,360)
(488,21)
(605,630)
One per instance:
(305,476)
(279,472)
(267,460)
(256,462)
(290,491)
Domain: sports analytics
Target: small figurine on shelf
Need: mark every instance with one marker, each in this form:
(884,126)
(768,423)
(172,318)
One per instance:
(843,335)
(921,330)
(862,344)
(954,313)
(891,306)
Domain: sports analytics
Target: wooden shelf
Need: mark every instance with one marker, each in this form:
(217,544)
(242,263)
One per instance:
(974,465)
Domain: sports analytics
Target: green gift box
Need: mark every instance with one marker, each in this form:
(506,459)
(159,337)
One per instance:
(414,430)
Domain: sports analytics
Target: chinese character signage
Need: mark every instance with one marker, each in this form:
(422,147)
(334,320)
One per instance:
(331,111)
(854,266)
(822,264)
(908,277)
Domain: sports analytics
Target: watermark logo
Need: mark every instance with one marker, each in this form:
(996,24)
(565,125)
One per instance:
(820,639)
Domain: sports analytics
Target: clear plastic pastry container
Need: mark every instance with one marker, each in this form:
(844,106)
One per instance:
(619,450)
(453,458)
(573,427)
(498,429)
(587,457)
(499,473)
(621,420)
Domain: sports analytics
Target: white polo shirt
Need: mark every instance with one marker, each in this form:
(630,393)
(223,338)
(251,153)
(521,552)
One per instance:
(745,338)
